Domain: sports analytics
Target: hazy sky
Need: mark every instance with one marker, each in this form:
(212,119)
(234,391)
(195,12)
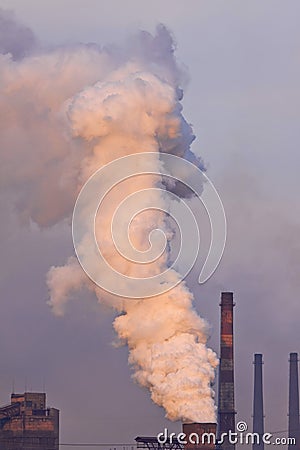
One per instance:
(243,60)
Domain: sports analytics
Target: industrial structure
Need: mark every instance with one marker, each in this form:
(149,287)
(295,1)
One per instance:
(197,436)
(152,443)
(294,428)
(27,424)
(226,398)
(206,433)
(226,406)
(258,402)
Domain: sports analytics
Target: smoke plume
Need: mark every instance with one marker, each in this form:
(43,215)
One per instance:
(66,113)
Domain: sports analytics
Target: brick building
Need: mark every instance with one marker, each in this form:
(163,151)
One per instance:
(27,424)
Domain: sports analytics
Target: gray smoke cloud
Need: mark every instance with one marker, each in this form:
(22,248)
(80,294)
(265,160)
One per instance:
(15,38)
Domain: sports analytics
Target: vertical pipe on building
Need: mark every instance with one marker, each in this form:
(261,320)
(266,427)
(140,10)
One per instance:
(226,408)
(294,430)
(258,402)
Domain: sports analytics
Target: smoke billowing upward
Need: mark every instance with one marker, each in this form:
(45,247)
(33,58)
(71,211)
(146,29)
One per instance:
(69,111)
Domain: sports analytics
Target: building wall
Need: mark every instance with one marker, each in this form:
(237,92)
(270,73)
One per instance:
(27,424)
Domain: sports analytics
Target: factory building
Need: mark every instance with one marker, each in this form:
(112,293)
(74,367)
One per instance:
(27,424)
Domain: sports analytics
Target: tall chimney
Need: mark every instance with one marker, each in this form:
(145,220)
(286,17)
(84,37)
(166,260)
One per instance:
(226,410)
(199,436)
(294,402)
(258,402)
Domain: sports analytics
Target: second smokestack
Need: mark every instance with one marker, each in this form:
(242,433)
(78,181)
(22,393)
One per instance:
(294,428)
(258,403)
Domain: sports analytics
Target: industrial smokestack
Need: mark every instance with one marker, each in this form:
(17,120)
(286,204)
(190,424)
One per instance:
(294,429)
(258,403)
(226,410)
(200,436)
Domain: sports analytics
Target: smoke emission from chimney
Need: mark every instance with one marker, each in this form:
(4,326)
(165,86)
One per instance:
(78,109)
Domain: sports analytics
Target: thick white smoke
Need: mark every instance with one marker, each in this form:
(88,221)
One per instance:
(68,112)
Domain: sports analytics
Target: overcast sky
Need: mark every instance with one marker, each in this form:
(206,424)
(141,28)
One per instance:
(243,60)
